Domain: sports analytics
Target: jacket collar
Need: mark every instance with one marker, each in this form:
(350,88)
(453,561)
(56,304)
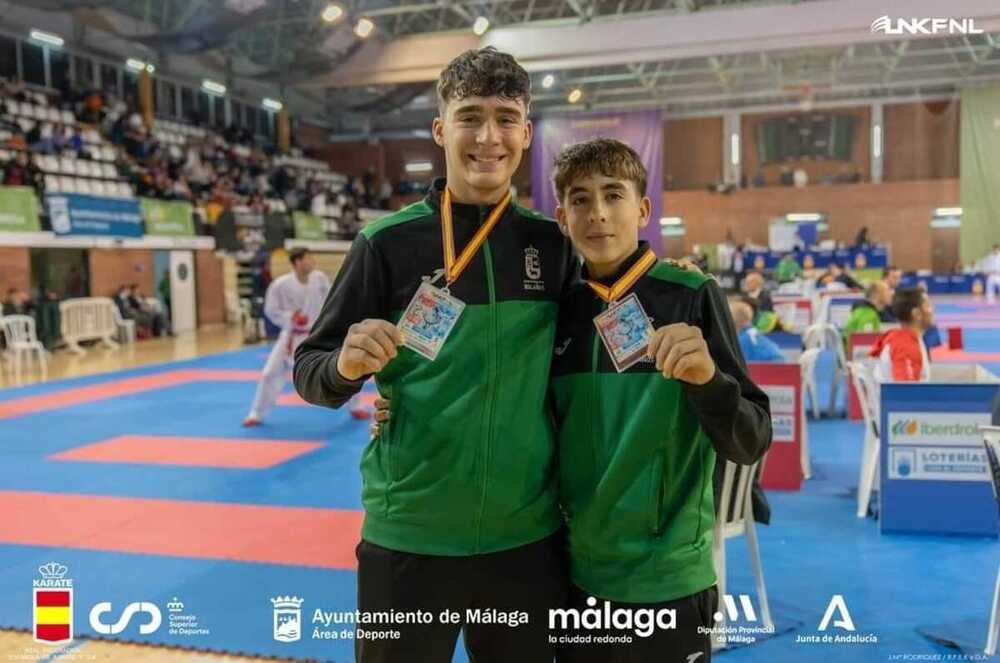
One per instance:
(459,210)
(624,267)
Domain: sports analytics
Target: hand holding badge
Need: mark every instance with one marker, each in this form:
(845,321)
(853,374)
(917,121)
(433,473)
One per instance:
(624,326)
(625,330)
(433,312)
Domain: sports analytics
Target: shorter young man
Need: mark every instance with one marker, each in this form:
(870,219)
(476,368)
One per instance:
(292,302)
(637,446)
(901,352)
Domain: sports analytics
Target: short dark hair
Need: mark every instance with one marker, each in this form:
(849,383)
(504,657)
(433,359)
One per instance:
(483,72)
(297,254)
(604,156)
(905,300)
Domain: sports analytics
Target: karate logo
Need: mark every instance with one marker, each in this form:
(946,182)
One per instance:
(287,618)
(53,605)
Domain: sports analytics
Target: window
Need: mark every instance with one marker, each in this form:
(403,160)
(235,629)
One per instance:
(167,99)
(237,110)
(187,102)
(251,119)
(266,126)
(8,57)
(33,63)
(204,107)
(130,86)
(109,79)
(83,71)
(220,111)
(59,69)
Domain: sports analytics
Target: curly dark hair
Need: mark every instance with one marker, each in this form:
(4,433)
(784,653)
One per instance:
(484,72)
(604,156)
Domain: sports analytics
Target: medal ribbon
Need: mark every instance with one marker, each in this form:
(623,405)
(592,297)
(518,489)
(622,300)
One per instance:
(453,268)
(628,279)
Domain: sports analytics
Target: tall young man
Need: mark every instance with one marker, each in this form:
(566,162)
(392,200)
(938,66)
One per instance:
(292,302)
(459,485)
(638,439)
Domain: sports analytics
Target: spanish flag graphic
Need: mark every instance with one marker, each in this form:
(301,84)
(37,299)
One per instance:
(53,615)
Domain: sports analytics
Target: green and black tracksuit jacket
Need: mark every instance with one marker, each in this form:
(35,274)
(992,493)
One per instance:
(637,451)
(466,463)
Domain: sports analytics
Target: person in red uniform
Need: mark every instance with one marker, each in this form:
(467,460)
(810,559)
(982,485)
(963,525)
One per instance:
(902,353)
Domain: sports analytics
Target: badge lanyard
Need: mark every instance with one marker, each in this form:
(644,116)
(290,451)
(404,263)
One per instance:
(453,267)
(628,279)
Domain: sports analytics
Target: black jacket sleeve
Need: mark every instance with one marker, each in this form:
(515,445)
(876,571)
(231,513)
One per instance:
(733,411)
(358,293)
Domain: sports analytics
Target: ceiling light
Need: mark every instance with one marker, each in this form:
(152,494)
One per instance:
(481,25)
(213,87)
(548,81)
(332,13)
(272,104)
(364,27)
(798,216)
(575,96)
(419,167)
(46,38)
(671,221)
(139,65)
(948,211)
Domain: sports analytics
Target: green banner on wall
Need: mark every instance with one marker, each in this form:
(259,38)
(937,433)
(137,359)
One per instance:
(309,226)
(980,163)
(18,209)
(172,218)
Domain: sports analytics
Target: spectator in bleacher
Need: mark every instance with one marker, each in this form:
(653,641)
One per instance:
(21,172)
(866,313)
(385,194)
(754,290)
(755,346)
(901,352)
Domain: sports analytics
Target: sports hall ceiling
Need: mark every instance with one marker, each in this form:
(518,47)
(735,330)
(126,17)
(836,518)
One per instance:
(687,57)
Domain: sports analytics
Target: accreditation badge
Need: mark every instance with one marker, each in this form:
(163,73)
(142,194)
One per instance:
(625,330)
(429,319)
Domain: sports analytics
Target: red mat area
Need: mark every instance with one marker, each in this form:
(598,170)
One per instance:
(18,407)
(212,530)
(192,451)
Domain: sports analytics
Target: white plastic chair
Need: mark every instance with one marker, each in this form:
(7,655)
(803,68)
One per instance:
(807,365)
(867,389)
(23,344)
(807,362)
(826,337)
(733,518)
(991,441)
(126,328)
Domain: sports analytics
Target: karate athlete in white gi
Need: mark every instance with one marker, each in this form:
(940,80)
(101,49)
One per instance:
(292,302)
(991,265)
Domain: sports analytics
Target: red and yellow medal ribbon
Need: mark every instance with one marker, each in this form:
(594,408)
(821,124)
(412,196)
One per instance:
(453,268)
(628,279)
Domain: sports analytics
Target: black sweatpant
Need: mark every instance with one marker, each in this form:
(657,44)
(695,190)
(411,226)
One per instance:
(683,644)
(529,579)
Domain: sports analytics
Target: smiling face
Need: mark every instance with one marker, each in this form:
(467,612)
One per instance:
(483,140)
(602,216)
